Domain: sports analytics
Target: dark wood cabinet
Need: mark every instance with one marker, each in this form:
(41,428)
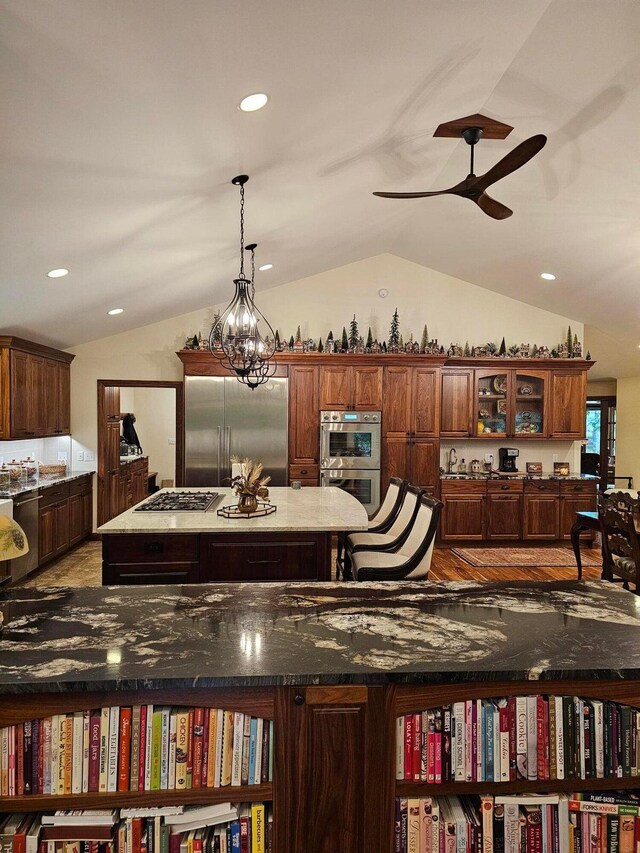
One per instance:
(413,459)
(425,400)
(463,511)
(504,513)
(455,403)
(304,418)
(61,528)
(576,497)
(541,516)
(343,387)
(34,390)
(568,404)
(76,526)
(66,517)
(46,535)
(396,394)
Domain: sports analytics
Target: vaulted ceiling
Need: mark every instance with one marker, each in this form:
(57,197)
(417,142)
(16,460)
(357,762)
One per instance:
(121,134)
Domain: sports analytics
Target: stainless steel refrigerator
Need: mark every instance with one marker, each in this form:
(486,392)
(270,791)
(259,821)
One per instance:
(224,418)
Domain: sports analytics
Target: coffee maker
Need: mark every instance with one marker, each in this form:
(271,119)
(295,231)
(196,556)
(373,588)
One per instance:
(508,456)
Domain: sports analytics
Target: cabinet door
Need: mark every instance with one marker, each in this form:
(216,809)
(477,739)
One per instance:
(50,396)
(335,388)
(462,517)
(491,401)
(35,395)
(63,425)
(113,495)
(304,420)
(46,545)
(504,516)
(528,410)
(569,506)
(568,397)
(424,462)
(113,446)
(396,460)
(112,402)
(87,514)
(425,402)
(366,388)
(20,376)
(396,411)
(61,532)
(335,762)
(75,519)
(455,403)
(540,517)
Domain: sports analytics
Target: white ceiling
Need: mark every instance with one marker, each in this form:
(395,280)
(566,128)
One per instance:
(121,135)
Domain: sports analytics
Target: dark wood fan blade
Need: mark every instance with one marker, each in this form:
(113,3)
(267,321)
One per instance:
(520,155)
(492,208)
(412,195)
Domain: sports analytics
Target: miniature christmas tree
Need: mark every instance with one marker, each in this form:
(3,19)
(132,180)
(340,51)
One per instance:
(345,341)
(424,343)
(569,341)
(384,346)
(330,336)
(394,331)
(588,356)
(491,348)
(291,342)
(503,348)
(467,351)
(276,340)
(353,333)
(369,343)
(513,350)
(441,350)
(534,351)
(216,329)
(320,347)
(298,335)
(574,346)
(401,344)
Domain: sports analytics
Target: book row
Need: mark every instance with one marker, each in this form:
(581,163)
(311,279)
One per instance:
(521,737)
(136,748)
(557,823)
(225,828)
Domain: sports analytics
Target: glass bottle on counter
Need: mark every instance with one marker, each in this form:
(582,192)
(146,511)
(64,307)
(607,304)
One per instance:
(462,467)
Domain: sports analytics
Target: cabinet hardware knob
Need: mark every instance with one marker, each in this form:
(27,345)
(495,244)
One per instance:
(303,470)
(298,699)
(504,488)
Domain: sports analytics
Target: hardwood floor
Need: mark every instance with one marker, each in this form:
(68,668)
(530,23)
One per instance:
(82,567)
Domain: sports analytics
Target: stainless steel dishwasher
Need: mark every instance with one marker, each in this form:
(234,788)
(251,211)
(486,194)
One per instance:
(25,512)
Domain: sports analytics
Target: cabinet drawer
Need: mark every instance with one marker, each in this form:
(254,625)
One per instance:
(304,472)
(147,548)
(463,487)
(53,494)
(244,560)
(541,487)
(132,574)
(500,487)
(578,487)
(80,486)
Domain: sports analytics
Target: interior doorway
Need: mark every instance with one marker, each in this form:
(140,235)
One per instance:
(140,441)
(599,448)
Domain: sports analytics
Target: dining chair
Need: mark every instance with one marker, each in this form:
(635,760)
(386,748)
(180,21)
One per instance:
(412,559)
(619,513)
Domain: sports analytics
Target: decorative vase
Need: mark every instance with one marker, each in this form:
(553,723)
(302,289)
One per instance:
(247,503)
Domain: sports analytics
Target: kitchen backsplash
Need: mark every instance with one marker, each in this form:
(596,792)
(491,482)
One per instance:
(546,452)
(41,449)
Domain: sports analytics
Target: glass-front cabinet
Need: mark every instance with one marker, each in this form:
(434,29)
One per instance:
(511,403)
(492,398)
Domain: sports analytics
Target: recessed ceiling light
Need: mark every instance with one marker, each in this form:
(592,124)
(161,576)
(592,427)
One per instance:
(265,267)
(58,273)
(547,276)
(115,311)
(253,102)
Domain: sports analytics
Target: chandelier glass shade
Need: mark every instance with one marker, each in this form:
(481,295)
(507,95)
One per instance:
(241,337)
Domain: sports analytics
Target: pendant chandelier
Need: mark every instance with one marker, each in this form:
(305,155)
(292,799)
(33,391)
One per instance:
(237,339)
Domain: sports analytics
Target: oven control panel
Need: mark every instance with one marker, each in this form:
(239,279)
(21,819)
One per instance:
(350,417)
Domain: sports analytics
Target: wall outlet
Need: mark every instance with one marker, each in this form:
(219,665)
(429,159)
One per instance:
(62,456)
(80,456)
(172,441)
(89,456)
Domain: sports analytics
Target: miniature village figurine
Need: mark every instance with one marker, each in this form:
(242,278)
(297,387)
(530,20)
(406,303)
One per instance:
(543,352)
(523,351)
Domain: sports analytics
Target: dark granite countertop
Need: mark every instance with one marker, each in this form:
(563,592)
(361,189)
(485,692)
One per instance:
(301,633)
(520,475)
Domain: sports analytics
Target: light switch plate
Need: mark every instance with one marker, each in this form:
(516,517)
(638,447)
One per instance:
(80,456)
(89,456)
(62,456)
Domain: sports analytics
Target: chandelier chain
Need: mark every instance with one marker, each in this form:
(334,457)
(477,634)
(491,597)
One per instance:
(242,231)
(253,273)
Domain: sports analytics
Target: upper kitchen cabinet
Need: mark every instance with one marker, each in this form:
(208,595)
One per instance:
(491,396)
(529,404)
(568,397)
(34,390)
(511,403)
(350,388)
(411,402)
(455,403)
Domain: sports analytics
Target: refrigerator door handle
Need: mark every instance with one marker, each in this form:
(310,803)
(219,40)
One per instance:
(227,452)
(219,429)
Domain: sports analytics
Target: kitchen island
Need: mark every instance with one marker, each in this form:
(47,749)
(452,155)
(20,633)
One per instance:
(293,543)
(332,665)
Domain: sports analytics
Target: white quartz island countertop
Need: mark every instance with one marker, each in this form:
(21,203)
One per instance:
(319,509)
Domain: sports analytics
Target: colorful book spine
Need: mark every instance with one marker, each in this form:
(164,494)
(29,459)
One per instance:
(124,749)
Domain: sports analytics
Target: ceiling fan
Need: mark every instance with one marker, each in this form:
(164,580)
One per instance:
(472,129)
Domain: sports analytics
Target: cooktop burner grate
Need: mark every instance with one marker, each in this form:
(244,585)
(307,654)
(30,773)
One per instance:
(179,502)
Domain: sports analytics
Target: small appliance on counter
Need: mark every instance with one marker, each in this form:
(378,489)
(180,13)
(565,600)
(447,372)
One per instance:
(508,456)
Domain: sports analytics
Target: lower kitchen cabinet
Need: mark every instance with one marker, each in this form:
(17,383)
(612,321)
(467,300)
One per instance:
(504,516)
(576,497)
(463,511)
(66,517)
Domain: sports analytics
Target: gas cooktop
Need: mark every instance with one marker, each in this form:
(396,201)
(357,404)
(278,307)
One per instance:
(179,502)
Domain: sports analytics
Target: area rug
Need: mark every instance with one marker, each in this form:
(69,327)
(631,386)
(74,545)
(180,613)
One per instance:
(525,557)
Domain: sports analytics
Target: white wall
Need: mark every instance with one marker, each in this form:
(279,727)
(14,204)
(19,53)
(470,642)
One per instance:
(628,433)
(546,452)
(155,411)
